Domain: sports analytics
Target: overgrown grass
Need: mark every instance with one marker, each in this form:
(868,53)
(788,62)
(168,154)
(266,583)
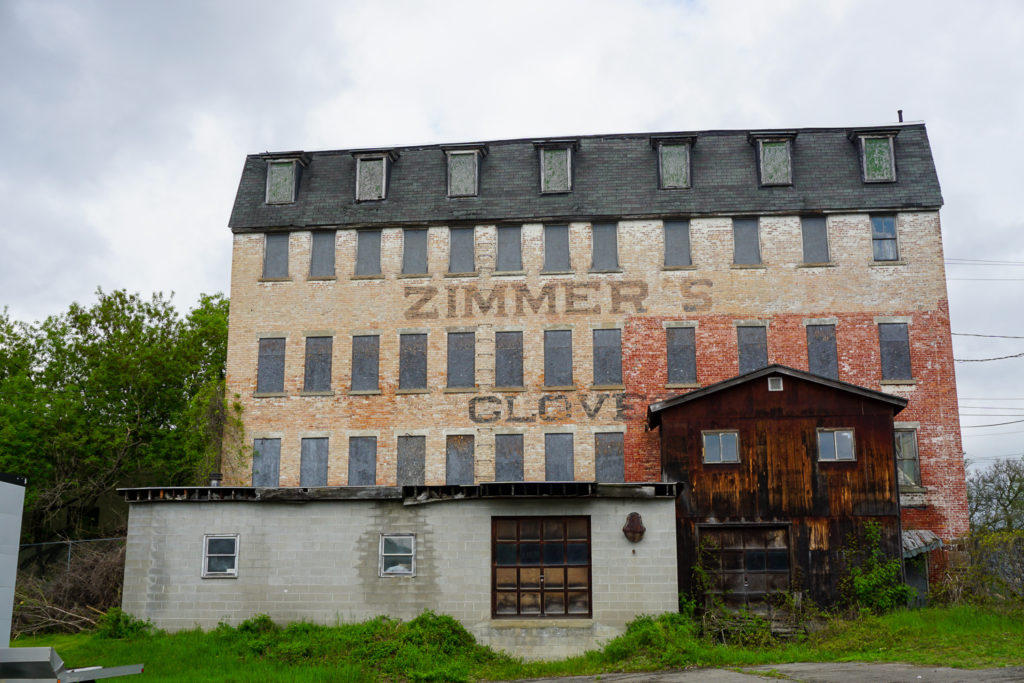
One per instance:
(438,648)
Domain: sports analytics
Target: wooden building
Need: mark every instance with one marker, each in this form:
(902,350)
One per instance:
(778,468)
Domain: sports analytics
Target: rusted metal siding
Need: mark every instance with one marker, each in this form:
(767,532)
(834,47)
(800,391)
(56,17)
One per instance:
(779,478)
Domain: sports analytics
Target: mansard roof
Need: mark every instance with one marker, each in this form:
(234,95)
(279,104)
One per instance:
(613,177)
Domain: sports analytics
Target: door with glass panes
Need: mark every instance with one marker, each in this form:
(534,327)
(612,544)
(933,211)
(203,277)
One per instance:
(745,563)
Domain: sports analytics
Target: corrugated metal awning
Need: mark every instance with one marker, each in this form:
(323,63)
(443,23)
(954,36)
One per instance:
(919,541)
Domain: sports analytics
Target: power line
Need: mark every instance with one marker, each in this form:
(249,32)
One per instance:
(989,336)
(994,424)
(985,360)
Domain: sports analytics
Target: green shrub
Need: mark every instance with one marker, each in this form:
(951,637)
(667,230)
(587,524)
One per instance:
(118,624)
(874,581)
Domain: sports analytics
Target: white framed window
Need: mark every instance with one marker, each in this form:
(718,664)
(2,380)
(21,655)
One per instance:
(908,467)
(463,172)
(556,167)
(372,175)
(835,445)
(721,446)
(220,556)
(397,555)
(281,181)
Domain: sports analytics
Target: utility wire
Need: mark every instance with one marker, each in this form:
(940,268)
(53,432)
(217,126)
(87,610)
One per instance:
(994,424)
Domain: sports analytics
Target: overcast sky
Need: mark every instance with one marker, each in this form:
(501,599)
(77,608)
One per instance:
(124,124)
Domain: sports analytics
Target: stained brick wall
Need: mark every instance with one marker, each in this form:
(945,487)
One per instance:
(853,290)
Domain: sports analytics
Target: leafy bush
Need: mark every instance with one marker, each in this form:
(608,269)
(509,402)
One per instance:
(990,570)
(874,581)
(118,624)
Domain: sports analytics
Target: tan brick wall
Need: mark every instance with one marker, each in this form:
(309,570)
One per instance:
(714,293)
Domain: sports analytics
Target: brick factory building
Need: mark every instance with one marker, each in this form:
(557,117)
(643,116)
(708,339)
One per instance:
(409,320)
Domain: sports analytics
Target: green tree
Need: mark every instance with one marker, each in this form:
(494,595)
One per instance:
(995,497)
(119,392)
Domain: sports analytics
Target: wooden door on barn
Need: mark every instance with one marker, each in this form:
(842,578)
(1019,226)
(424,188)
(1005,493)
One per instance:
(744,564)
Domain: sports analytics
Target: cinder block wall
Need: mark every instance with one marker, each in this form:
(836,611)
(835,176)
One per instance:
(784,293)
(319,562)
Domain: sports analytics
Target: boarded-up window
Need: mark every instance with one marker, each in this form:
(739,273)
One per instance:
(459,460)
(461,359)
(558,465)
(835,444)
(321,261)
(275,256)
(508,457)
(365,356)
(280,182)
(605,246)
(894,340)
(610,456)
(508,359)
(675,165)
(362,461)
(460,250)
(753,347)
(368,252)
(744,564)
(877,159)
(555,170)
(557,358)
(907,465)
(677,243)
(541,567)
(607,357)
(747,248)
(822,358)
(556,248)
(371,178)
(313,463)
(883,238)
(412,457)
(721,447)
(318,364)
(815,234)
(414,252)
(270,366)
(775,163)
(412,361)
(266,462)
(462,174)
(682,355)
(510,248)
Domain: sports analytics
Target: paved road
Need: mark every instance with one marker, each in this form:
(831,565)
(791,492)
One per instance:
(811,673)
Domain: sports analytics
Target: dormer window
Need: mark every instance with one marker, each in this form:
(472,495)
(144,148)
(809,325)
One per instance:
(283,177)
(877,157)
(673,161)
(372,175)
(556,165)
(774,158)
(464,170)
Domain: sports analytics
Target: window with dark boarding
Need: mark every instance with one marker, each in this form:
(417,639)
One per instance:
(607,357)
(266,462)
(508,457)
(682,355)
(556,249)
(270,366)
(461,256)
(313,462)
(814,230)
(558,457)
(318,364)
(605,247)
(368,252)
(412,458)
(412,361)
(894,343)
(822,357)
(365,362)
(609,457)
(414,251)
(541,567)
(459,460)
(321,260)
(677,244)
(508,359)
(362,461)
(753,347)
(746,242)
(461,360)
(557,358)
(510,248)
(275,256)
